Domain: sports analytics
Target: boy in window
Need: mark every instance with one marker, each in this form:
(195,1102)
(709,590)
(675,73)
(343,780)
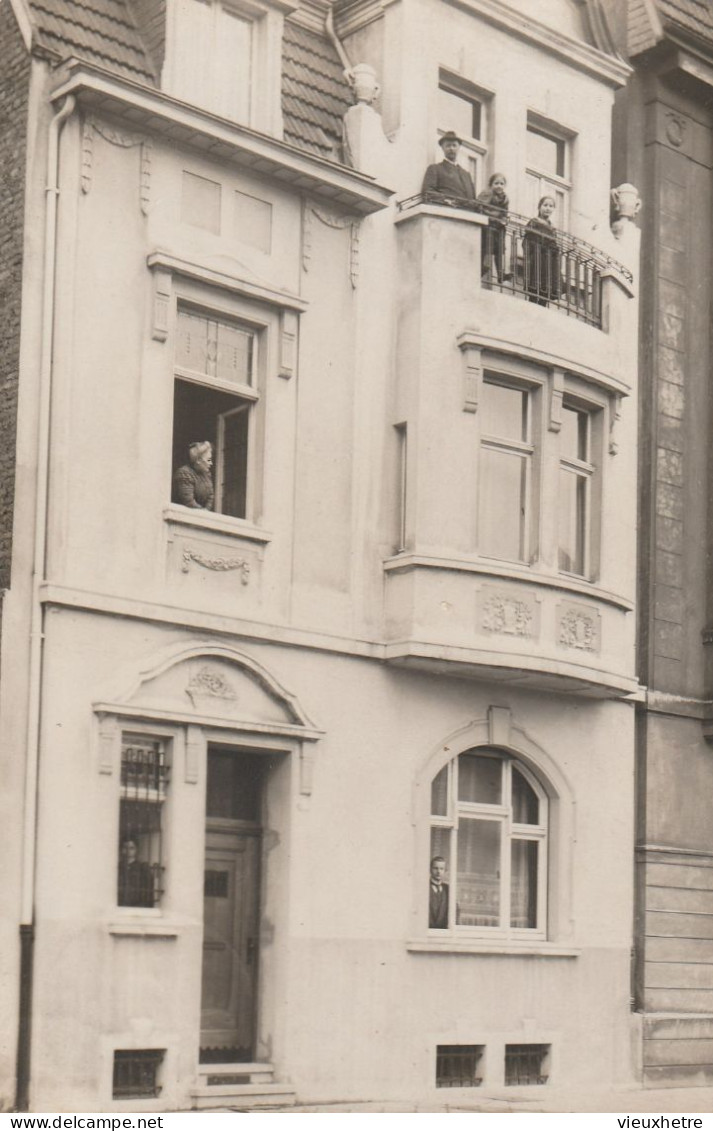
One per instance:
(438,895)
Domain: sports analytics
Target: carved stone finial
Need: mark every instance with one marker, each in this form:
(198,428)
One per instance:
(627,204)
(362,79)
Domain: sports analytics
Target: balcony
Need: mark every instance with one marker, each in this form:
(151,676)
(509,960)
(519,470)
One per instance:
(564,272)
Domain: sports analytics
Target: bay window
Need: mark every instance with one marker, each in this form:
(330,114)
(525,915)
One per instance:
(576,475)
(506,471)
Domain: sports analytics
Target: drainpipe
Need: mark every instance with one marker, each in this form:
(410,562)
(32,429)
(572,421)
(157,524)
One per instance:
(29,847)
(336,42)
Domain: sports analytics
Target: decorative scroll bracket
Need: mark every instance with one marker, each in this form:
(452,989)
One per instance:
(288,344)
(614,418)
(472,374)
(338,223)
(161,304)
(115,137)
(556,398)
(108,743)
(194,749)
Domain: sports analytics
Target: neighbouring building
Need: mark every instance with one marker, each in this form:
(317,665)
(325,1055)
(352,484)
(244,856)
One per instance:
(664,141)
(244,708)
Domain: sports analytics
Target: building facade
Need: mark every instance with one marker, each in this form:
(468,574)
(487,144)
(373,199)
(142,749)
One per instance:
(243,708)
(663,138)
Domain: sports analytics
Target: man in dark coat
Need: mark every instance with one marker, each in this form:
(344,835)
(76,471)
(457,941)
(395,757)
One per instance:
(446,182)
(438,895)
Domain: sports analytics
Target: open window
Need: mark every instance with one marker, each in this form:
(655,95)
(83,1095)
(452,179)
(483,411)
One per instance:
(215,396)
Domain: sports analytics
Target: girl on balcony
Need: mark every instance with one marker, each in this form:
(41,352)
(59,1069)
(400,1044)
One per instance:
(542,259)
(494,203)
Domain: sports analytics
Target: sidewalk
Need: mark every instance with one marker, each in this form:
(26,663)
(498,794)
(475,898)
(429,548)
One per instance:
(677,1101)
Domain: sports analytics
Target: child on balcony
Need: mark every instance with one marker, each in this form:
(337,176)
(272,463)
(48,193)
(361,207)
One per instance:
(494,203)
(542,259)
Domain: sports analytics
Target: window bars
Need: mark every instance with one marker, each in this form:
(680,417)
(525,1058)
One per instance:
(456,1066)
(136,1073)
(525,1064)
(144,779)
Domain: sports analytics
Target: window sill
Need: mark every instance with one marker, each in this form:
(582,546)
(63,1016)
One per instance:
(496,947)
(143,928)
(218,523)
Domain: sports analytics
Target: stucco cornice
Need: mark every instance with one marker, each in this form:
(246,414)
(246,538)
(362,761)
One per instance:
(159,113)
(605,67)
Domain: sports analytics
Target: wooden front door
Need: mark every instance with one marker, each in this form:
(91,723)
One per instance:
(230,930)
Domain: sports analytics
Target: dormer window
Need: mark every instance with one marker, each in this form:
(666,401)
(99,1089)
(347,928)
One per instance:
(214,61)
(224,56)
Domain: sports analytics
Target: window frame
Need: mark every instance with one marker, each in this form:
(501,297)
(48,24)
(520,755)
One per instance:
(528,450)
(252,13)
(128,728)
(512,831)
(558,185)
(577,399)
(250,396)
(475,150)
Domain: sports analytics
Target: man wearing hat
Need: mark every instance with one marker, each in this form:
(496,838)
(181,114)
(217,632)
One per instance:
(446,182)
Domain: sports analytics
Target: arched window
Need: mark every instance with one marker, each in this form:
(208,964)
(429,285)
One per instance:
(488,847)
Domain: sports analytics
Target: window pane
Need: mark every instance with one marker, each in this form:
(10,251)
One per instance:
(216,349)
(234,354)
(572,521)
(573,434)
(523,883)
(504,412)
(232,65)
(439,793)
(480,779)
(525,802)
(478,879)
(438,879)
(460,113)
(544,152)
(501,509)
(233,461)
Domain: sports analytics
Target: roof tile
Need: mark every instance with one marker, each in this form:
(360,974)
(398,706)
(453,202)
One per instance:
(102,31)
(315,93)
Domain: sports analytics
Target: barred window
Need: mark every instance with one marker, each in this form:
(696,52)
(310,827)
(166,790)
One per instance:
(457,1066)
(144,779)
(526,1064)
(136,1073)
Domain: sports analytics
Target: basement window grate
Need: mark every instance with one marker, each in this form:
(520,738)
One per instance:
(456,1066)
(136,1073)
(526,1064)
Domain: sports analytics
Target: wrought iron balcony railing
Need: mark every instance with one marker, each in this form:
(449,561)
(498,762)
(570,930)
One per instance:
(546,267)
